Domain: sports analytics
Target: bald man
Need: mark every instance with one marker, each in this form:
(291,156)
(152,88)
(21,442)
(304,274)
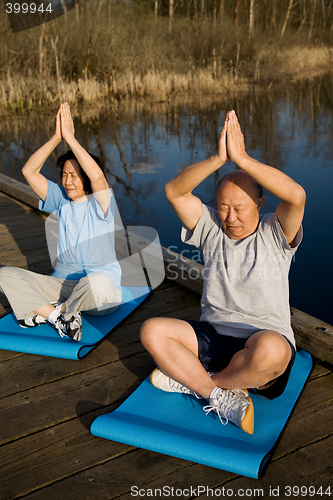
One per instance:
(243,341)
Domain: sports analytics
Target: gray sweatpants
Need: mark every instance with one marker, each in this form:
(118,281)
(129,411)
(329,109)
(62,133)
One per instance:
(95,294)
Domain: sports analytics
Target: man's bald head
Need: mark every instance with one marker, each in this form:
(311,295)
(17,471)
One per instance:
(244,181)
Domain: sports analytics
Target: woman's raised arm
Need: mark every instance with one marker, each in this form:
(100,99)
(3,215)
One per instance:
(31,169)
(99,184)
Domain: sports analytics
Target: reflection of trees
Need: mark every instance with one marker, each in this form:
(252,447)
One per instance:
(133,135)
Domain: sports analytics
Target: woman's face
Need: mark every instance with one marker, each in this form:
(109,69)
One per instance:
(72,181)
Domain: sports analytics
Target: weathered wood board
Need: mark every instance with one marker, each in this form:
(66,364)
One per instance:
(48,404)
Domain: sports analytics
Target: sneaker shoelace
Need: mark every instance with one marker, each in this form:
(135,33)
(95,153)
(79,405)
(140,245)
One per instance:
(178,386)
(233,401)
(182,388)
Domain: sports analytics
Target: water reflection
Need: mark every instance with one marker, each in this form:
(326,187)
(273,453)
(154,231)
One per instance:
(143,145)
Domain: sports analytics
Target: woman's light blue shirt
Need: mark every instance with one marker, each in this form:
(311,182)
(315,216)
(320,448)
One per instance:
(85,235)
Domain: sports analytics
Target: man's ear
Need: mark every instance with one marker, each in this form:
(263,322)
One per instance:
(260,203)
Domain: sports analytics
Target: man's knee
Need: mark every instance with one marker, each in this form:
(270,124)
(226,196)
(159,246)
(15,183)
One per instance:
(269,351)
(150,331)
(157,333)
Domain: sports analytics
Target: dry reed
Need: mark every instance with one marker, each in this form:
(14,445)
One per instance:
(122,51)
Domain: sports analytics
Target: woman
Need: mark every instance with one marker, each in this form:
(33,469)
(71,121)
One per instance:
(87,275)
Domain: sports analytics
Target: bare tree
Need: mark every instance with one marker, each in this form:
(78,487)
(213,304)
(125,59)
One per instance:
(313,11)
(287,17)
(323,13)
(251,19)
(221,10)
(171,12)
(236,13)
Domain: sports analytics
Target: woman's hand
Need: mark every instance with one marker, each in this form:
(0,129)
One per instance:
(58,135)
(31,169)
(67,124)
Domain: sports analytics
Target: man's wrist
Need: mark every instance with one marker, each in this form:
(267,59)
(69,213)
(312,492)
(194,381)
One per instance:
(241,159)
(217,160)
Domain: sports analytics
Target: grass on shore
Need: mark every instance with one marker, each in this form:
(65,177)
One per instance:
(120,52)
(23,94)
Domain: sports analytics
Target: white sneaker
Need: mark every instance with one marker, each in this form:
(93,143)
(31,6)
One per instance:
(32,321)
(74,327)
(234,405)
(35,320)
(71,328)
(161,381)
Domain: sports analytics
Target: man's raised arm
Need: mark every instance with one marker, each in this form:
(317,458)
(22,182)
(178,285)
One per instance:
(179,190)
(290,210)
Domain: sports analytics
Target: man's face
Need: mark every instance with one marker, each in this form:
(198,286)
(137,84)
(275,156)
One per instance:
(72,180)
(238,208)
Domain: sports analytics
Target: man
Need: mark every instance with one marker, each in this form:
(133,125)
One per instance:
(244,339)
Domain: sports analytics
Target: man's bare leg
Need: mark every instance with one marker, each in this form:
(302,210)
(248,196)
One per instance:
(266,356)
(173,345)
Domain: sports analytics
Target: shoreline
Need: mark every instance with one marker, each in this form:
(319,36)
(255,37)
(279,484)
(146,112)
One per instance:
(21,95)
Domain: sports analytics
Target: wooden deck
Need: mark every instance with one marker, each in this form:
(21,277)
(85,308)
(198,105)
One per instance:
(47,406)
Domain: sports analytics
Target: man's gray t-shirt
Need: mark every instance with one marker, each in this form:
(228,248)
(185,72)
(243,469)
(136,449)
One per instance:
(246,285)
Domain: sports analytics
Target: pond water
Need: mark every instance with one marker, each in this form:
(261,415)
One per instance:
(144,145)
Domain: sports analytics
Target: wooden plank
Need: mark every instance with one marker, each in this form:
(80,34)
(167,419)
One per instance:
(30,371)
(152,470)
(112,382)
(32,410)
(52,454)
(10,245)
(124,341)
(24,232)
(116,477)
(18,190)
(9,203)
(139,469)
(311,419)
(309,466)
(37,262)
(313,335)
(6,355)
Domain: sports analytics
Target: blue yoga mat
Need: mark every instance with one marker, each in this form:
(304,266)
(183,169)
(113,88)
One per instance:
(45,341)
(176,425)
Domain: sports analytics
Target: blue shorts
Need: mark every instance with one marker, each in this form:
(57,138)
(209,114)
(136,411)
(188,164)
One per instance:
(216,351)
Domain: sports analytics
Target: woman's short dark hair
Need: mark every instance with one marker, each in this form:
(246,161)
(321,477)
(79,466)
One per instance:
(71,156)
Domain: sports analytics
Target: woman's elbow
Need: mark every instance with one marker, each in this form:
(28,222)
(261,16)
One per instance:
(25,172)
